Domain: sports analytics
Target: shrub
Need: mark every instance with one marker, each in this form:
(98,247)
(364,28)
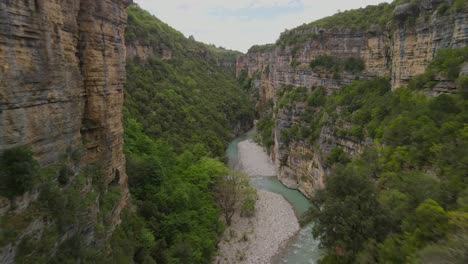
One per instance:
(458,5)
(337,155)
(64,175)
(317,98)
(248,204)
(354,65)
(17,169)
(295,63)
(462,85)
(337,65)
(265,127)
(443,8)
(328,62)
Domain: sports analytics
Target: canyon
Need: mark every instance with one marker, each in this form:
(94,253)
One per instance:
(400,51)
(77,78)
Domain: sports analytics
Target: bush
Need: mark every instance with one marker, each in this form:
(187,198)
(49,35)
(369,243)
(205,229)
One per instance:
(337,65)
(317,98)
(337,155)
(356,19)
(189,99)
(354,65)
(265,127)
(328,62)
(459,5)
(64,174)
(448,62)
(248,204)
(17,169)
(462,85)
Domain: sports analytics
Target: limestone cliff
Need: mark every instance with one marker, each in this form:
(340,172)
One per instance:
(62,73)
(400,49)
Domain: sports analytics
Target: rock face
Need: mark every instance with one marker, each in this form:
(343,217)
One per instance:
(401,51)
(145,52)
(61,82)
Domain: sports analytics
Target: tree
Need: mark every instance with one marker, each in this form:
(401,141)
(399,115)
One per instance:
(428,223)
(350,214)
(17,168)
(232,192)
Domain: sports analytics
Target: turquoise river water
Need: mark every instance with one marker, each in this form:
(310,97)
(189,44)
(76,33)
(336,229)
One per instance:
(301,249)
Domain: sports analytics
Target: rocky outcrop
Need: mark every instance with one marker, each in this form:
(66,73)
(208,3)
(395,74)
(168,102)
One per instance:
(414,46)
(400,51)
(141,52)
(61,83)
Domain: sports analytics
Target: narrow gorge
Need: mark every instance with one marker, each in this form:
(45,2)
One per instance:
(400,48)
(347,139)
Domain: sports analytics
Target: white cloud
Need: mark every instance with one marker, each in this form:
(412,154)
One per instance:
(240,24)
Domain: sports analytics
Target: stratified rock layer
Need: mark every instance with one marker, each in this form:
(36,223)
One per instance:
(62,73)
(401,52)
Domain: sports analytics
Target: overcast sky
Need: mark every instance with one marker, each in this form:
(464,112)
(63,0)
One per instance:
(240,24)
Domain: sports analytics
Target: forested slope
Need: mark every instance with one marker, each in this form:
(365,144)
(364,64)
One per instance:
(366,113)
(191,96)
(182,106)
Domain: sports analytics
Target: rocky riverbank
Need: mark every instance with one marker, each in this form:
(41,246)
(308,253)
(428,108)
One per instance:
(258,239)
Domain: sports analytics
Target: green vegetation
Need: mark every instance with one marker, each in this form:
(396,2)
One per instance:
(262,48)
(66,208)
(459,5)
(188,99)
(338,65)
(446,64)
(179,115)
(17,169)
(265,126)
(357,19)
(370,18)
(233,192)
(402,200)
(309,127)
(337,155)
(146,29)
(174,195)
(175,220)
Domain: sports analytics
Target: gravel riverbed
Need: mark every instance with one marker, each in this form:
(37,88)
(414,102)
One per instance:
(256,240)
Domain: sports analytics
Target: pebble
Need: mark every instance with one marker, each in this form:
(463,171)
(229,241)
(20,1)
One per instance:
(272,226)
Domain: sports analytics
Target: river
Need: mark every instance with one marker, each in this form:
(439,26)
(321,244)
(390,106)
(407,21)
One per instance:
(302,248)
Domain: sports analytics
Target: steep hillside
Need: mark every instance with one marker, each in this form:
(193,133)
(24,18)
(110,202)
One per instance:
(182,91)
(325,54)
(365,112)
(62,167)
(183,104)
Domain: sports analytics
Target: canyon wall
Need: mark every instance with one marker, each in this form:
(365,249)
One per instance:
(62,74)
(400,51)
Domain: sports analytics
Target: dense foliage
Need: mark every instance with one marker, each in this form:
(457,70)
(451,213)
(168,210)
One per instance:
(337,65)
(147,30)
(404,199)
(179,114)
(447,64)
(372,17)
(188,99)
(174,195)
(358,19)
(68,195)
(17,168)
(262,48)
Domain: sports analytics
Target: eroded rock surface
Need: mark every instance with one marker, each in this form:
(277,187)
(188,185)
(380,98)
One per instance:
(62,73)
(400,51)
